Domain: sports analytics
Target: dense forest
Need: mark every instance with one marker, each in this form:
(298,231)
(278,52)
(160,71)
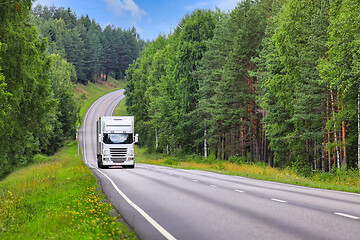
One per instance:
(94,52)
(272,81)
(44,51)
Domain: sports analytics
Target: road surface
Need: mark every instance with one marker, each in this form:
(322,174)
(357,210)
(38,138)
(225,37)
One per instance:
(166,203)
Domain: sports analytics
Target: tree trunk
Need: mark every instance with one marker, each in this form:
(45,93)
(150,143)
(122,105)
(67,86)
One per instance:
(205,145)
(156,139)
(335,132)
(242,136)
(344,162)
(308,158)
(328,134)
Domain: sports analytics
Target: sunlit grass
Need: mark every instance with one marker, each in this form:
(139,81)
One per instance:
(120,110)
(57,199)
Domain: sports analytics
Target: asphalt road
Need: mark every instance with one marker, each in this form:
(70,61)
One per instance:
(166,203)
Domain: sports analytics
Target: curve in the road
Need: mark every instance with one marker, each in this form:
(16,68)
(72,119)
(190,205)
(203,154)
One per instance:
(105,102)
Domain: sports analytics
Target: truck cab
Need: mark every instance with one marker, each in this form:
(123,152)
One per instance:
(115,141)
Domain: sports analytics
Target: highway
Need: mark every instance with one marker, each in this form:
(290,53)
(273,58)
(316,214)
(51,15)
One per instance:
(167,203)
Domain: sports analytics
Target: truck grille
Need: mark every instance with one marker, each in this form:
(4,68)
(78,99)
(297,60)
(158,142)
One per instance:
(118,159)
(118,152)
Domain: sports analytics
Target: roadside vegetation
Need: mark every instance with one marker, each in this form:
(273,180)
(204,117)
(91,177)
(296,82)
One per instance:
(337,179)
(58,197)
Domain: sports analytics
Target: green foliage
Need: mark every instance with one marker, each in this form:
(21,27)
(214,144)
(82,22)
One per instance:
(38,109)
(94,52)
(270,81)
(25,70)
(161,91)
(340,69)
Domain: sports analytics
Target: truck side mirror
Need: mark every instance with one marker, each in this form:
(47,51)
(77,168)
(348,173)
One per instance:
(100,137)
(136,138)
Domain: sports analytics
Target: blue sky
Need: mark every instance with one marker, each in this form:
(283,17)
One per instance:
(149,17)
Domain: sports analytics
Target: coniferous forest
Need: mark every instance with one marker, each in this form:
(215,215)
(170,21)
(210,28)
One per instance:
(272,81)
(44,51)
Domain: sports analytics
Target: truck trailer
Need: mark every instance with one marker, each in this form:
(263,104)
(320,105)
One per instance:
(115,141)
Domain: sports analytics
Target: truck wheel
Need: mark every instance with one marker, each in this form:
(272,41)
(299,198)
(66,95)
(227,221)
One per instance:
(100,165)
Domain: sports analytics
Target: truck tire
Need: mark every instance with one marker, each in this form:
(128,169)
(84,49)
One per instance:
(100,165)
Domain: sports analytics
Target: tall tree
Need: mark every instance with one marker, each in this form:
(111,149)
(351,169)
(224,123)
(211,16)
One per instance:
(340,71)
(25,68)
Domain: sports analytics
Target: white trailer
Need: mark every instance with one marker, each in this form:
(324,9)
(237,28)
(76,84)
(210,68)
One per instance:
(115,141)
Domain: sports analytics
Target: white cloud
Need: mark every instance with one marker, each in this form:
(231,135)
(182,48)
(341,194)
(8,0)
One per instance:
(119,7)
(226,5)
(197,5)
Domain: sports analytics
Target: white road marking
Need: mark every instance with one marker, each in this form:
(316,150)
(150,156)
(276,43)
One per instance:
(212,186)
(194,180)
(181,177)
(346,215)
(278,200)
(165,233)
(239,191)
(157,226)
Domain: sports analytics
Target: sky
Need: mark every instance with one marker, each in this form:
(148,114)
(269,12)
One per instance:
(149,17)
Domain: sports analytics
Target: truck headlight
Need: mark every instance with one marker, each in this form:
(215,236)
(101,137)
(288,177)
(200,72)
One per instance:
(107,152)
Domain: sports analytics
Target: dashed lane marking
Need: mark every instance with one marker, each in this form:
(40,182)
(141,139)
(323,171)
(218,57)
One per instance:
(278,200)
(239,191)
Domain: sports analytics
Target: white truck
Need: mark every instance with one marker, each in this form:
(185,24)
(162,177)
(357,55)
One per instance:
(115,141)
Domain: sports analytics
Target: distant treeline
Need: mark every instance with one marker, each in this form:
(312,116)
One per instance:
(41,56)
(273,81)
(82,42)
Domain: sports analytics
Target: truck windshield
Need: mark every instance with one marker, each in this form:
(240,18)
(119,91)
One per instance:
(118,138)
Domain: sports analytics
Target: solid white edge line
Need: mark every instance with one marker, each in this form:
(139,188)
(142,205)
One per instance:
(346,215)
(278,200)
(165,233)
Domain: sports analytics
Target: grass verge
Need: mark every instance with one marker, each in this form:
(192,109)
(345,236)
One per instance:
(58,198)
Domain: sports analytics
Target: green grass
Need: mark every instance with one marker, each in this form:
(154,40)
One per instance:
(120,110)
(58,197)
